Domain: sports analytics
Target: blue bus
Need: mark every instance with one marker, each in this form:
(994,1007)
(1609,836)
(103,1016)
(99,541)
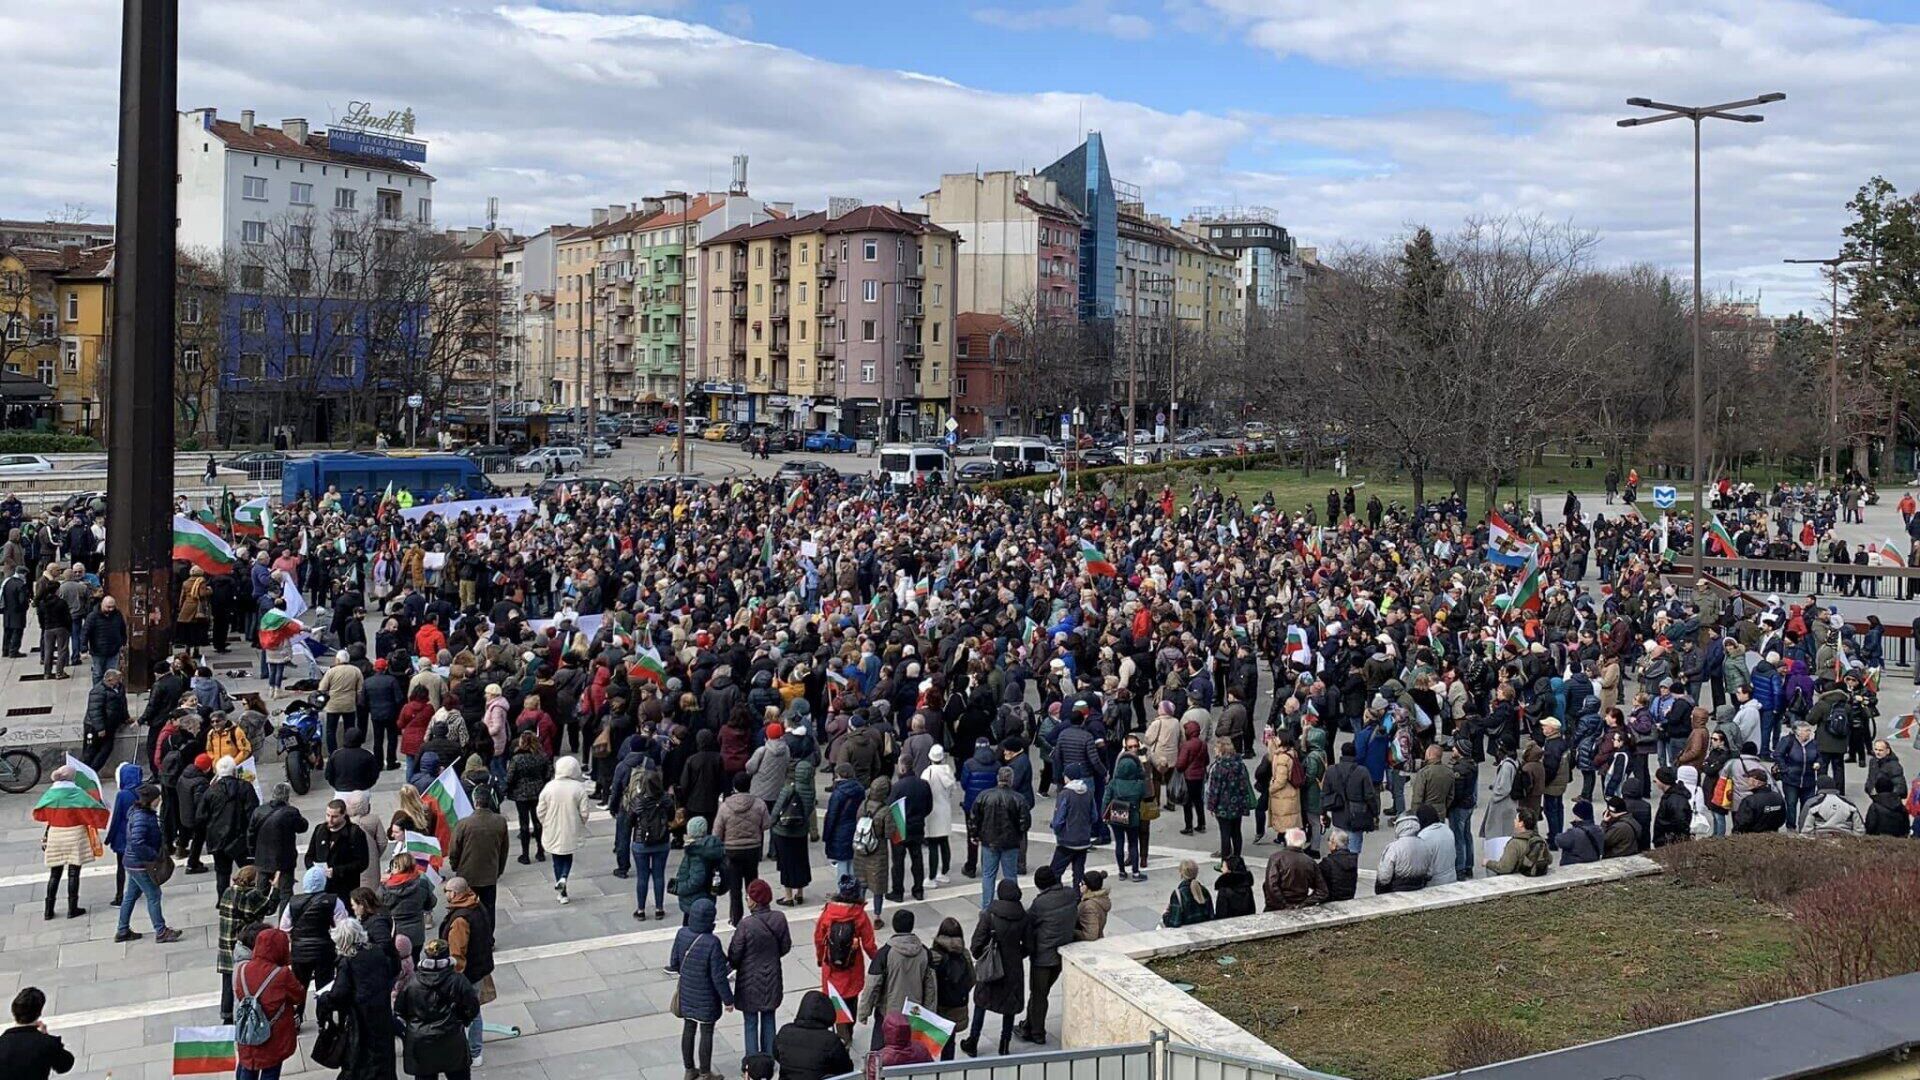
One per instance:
(425,475)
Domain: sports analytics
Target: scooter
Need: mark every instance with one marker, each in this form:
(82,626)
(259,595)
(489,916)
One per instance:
(299,734)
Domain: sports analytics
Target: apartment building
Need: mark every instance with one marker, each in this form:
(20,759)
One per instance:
(1268,269)
(1020,254)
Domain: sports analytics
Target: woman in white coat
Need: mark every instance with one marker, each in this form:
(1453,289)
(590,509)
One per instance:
(946,795)
(562,811)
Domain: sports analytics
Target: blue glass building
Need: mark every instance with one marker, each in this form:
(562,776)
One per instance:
(1086,182)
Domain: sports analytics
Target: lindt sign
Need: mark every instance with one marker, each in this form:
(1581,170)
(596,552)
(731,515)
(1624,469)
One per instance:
(360,114)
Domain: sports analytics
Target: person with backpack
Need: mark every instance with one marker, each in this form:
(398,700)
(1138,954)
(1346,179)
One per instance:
(436,1006)
(792,813)
(1350,798)
(268,1000)
(626,785)
(999,947)
(1829,716)
(1583,841)
(902,971)
(871,860)
(649,812)
(1525,853)
(843,942)
(244,903)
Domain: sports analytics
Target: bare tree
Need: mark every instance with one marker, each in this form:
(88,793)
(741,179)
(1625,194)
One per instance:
(1067,365)
(201,285)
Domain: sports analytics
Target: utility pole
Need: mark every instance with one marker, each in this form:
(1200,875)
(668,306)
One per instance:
(493,369)
(139,403)
(593,378)
(1133,357)
(686,305)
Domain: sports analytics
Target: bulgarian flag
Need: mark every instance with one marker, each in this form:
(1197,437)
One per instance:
(452,798)
(1888,555)
(426,852)
(1718,540)
(842,1012)
(253,518)
(929,1028)
(796,498)
(1517,638)
(198,545)
(88,780)
(203,1051)
(1299,650)
(1097,563)
(648,665)
(67,803)
(921,588)
(897,814)
(277,628)
(837,678)
(1527,596)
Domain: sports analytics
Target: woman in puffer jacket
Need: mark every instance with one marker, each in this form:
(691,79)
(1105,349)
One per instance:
(705,987)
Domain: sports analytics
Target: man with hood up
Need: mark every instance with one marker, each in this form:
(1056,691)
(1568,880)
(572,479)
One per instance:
(808,1048)
(901,971)
(282,998)
(563,817)
(1404,866)
(127,777)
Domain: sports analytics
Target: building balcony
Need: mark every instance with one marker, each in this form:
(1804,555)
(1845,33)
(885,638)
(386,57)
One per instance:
(782,270)
(915,276)
(740,309)
(622,311)
(620,337)
(823,347)
(778,314)
(778,348)
(828,318)
(826,269)
(739,273)
(913,350)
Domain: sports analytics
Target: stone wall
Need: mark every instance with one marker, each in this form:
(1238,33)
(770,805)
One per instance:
(1111,997)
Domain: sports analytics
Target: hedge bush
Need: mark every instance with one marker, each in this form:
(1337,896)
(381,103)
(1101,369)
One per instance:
(44,442)
(1093,478)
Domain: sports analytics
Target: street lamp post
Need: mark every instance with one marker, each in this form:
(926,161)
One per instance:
(1833,266)
(686,306)
(1696,114)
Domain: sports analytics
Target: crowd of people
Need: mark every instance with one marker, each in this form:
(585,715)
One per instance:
(790,694)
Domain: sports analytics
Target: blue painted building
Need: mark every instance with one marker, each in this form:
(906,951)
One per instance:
(1086,182)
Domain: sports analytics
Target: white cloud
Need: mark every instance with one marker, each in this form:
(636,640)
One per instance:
(554,111)
(1091,16)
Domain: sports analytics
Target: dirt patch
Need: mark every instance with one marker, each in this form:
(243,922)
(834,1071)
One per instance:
(1415,995)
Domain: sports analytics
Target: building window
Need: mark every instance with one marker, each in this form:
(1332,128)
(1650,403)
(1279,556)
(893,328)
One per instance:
(253,321)
(343,198)
(870,250)
(252,365)
(46,322)
(870,291)
(343,366)
(303,322)
(16,330)
(759,257)
(73,307)
(936,291)
(342,323)
(938,253)
(70,355)
(300,194)
(758,292)
(342,281)
(869,330)
(253,232)
(804,246)
(960,348)
(343,240)
(253,187)
(388,206)
(936,333)
(866,373)
(960,385)
(300,236)
(802,294)
(44,370)
(190,360)
(802,323)
(426,211)
(190,310)
(300,282)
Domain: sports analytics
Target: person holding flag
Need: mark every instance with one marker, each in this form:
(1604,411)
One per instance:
(73,819)
(808,1048)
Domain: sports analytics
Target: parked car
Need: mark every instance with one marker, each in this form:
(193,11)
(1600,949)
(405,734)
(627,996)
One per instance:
(830,442)
(1097,456)
(805,470)
(971,447)
(259,465)
(978,472)
(678,481)
(583,485)
(551,459)
(717,432)
(21,464)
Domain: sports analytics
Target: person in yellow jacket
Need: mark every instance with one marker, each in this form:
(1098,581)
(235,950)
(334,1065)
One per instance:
(226,739)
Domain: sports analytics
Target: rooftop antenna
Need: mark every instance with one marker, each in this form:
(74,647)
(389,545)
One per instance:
(493,211)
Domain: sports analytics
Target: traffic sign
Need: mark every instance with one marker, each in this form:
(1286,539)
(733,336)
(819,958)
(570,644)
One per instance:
(952,424)
(1665,497)
(414,401)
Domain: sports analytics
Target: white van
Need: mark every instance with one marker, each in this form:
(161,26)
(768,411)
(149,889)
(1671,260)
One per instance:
(1024,454)
(905,464)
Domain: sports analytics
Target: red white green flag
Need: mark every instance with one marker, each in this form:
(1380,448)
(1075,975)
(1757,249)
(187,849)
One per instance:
(842,1012)
(277,628)
(1097,562)
(88,780)
(1527,596)
(253,518)
(66,804)
(425,850)
(1719,540)
(647,665)
(897,814)
(452,798)
(928,1028)
(1888,555)
(195,544)
(203,1051)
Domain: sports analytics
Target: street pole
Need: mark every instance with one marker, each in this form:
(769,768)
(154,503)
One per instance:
(139,556)
(680,399)
(1696,114)
(493,369)
(1133,357)
(593,379)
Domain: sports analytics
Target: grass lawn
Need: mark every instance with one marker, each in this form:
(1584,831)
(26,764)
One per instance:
(1398,997)
(1292,488)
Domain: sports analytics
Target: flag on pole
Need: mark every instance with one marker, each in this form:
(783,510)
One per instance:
(796,498)
(897,814)
(1517,639)
(199,546)
(1299,650)
(86,778)
(928,1028)
(1097,562)
(425,850)
(67,803)
(842,1011)
(451,797)
(647,665)
(1719,540)
(1527,596)
(837,678)
(252,518)
(277,628)
(204,1051)
(1504,545)
(1888,555)
(921,588)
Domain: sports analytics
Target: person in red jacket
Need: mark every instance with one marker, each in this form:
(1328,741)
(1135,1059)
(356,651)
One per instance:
(281,998)
(415,716)
(848,978)
(899,1048)
(1192,767)
(535,719)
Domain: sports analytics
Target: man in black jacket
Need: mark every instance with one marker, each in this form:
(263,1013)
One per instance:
(1349,797)
(225,813)
(353,767)
(999,821)
(106,715)
(341,847)
(271,832)
(169,687)
(1762,810)
(918,798)
(27,1052)
(1053,917)
(384,694)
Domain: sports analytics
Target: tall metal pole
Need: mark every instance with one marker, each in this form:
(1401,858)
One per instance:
(1700,512)
(680,399)
(1833,366)
(139,557)
(493,370)
(1133,357)
(593,378)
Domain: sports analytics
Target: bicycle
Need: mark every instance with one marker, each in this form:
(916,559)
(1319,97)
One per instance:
(19,769)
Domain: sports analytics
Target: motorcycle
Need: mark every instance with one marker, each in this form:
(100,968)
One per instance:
(300,744)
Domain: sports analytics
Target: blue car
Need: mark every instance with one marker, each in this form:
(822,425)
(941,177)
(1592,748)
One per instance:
(830,442)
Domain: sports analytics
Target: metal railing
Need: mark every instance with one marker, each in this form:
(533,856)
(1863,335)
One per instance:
(1159,1059)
